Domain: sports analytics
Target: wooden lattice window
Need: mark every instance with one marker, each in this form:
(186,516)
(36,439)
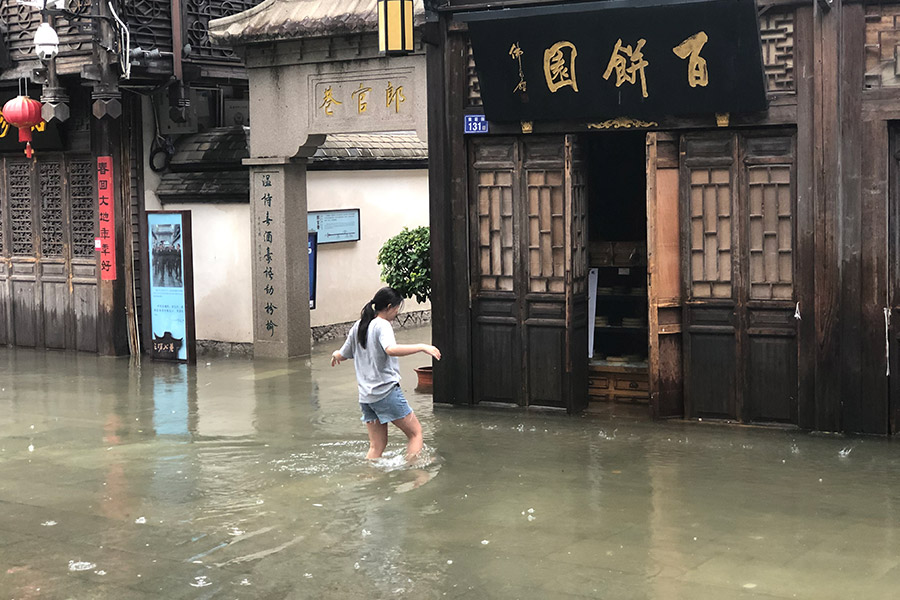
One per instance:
(20,202)
(546,231)
(771,232)
(495,229)
(198,14)
(776,31)
(83,215)
(711,220)
(150,22)
(473,87)
(51,214)
(882,45)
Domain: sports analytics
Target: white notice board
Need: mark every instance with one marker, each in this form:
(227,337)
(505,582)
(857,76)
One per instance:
(334,225)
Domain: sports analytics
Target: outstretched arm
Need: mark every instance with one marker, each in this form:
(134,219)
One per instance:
(407,349)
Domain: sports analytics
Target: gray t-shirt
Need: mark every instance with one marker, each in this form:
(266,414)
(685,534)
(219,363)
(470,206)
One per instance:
(376,372)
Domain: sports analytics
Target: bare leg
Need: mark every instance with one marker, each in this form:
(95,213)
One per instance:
(378,437)
(413,429)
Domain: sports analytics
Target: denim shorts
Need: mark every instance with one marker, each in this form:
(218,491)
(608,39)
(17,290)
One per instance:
(390,408)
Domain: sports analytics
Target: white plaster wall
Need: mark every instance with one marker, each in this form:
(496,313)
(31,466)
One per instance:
(348,274)
(221,235)
(222,296)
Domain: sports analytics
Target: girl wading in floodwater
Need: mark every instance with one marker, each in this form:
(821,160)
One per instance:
(372,345)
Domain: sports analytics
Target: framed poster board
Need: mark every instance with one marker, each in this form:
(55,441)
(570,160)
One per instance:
(334,225)
(313,248)
(171,286)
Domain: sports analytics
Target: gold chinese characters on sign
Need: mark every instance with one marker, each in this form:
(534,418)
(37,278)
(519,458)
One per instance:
(559,66)
(330,101)
(360,94)
(690,49)
(627,62)
(516,54)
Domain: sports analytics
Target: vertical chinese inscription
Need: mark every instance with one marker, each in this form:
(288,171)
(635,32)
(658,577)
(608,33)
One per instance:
(107,217)
(515,53)
(268,239)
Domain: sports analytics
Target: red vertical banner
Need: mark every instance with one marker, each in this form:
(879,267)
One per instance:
(107,215)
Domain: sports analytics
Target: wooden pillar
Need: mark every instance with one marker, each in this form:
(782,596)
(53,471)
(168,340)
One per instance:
(828,202)
(106,140)
(864,393)
(112,330)
(447,168)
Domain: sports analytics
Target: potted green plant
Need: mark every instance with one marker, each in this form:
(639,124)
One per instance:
(405,261)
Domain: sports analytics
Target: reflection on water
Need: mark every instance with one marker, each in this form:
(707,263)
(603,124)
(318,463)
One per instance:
(240,479)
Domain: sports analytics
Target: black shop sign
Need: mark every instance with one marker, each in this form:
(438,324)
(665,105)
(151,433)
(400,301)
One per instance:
(595,60)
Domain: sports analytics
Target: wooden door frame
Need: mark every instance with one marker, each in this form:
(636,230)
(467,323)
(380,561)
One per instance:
(666,388)
(475,292)
(688,304)
(742,324)
(892,301)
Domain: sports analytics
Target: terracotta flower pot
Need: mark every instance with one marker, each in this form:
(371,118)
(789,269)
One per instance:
(426,381)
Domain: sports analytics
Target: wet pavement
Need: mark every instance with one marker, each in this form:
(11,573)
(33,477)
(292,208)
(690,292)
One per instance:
(243,479)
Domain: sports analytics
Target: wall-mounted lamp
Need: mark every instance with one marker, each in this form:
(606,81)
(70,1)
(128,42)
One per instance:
(395,27)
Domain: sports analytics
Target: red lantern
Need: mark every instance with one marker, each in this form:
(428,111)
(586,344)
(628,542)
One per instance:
(24,113)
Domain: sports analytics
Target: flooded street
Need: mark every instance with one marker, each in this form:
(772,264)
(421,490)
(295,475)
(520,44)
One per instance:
(243,479)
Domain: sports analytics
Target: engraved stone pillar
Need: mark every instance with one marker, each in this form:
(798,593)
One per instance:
(280,257)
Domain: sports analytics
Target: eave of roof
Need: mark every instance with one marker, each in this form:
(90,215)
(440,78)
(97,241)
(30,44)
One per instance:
(296,19)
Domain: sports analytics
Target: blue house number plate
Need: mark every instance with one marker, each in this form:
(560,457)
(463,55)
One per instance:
(475,124)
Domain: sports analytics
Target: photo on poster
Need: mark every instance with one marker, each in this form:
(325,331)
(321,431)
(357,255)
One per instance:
(166,255)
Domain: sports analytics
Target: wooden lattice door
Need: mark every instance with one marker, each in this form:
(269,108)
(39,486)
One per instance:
(738,235)
(528,272)
(48,273)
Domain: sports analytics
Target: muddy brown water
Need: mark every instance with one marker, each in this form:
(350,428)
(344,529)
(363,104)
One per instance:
(246,479)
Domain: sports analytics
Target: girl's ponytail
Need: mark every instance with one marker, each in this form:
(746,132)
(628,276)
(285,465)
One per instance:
(385,297)
(365,317)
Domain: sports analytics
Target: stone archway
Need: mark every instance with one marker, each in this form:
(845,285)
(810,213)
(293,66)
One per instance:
(319,74)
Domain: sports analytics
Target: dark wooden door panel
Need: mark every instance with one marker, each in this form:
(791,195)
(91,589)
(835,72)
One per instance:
(772,379)
(55,304)
(25,310)
(55,299)
(498,361)
(711,384)
(85,310)
(670,380)
(546,371)
(5,303)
